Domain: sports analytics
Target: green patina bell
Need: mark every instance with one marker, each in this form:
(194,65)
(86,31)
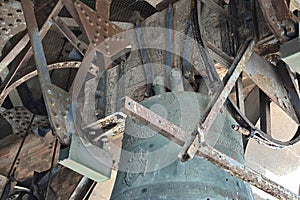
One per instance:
(149,167)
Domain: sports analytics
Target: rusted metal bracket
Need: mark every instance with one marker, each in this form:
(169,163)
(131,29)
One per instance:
(179,136)
(115,123)
(57,100)
(96,26)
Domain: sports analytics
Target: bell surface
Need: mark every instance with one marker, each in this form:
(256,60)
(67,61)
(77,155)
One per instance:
(149,166)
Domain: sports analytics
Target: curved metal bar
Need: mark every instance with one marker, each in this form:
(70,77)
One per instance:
(23,77)
(212,79)
(257,134)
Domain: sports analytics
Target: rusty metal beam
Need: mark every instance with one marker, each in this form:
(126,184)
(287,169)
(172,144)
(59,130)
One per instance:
(20,46)
(57,100)
(177,135)
(275,12)
(71,37)
(35,39)
(222,93)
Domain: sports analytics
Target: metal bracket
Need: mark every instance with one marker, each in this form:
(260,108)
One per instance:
(57,100)
(115,123)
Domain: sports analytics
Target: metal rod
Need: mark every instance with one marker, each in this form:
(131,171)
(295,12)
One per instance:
(20,46)
(254,21)
(14,53)
(212,80)
(245,173)
(71,37)
(169,29)
(219,52)
(240,94)
(145,58)
(179,136)
(34,35)
(222,93)
(81,189)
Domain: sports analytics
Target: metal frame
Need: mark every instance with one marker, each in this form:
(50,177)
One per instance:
(177,135)
(58,101)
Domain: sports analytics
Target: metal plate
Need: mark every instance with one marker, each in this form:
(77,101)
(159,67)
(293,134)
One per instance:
(19,118)
(11,21)
(96,26)
(267,78)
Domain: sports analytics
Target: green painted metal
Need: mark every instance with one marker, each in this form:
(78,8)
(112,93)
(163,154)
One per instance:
(81,158)
(149,167)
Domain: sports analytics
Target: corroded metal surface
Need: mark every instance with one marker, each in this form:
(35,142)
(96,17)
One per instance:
(19,119)
(223,91)
(7,75)
(25,75)
(96,26)
(99,30)
(149,162)
(57,100)
(211,154)
(11,21)
(79,45)
(275,13)
(267,78)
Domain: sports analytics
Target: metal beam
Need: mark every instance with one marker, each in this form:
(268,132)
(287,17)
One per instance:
(17,50)
(179,136)
(57,100)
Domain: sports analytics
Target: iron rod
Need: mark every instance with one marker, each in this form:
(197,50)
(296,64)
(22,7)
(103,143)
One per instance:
(179,136)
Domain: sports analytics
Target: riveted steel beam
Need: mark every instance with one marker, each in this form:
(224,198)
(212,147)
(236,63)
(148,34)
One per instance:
(57,100)
(21,46)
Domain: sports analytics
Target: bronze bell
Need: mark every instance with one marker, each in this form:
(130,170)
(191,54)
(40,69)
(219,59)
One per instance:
(150,169)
